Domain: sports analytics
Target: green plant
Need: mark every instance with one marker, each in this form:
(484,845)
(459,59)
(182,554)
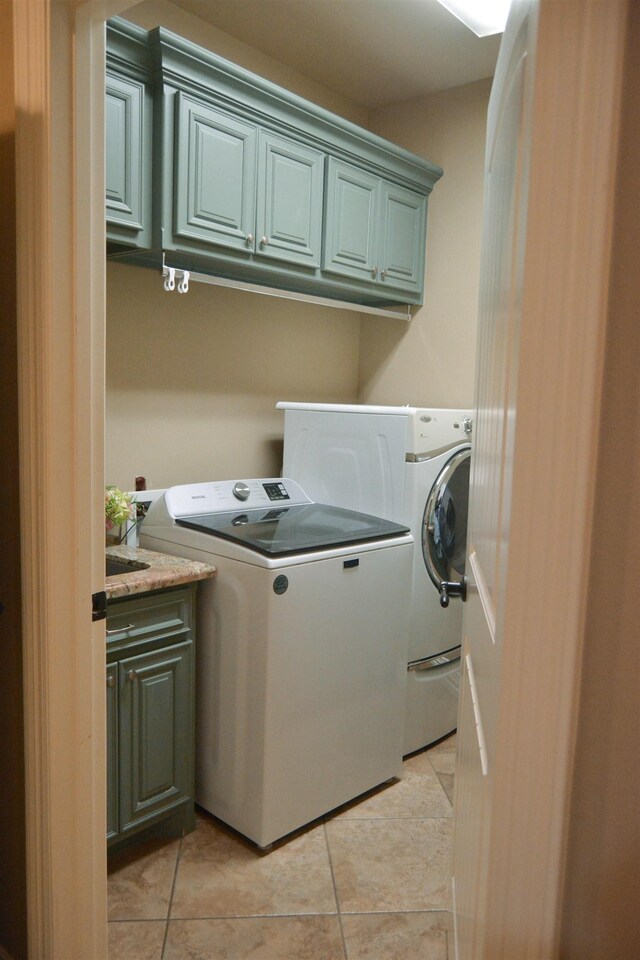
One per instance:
(118,508)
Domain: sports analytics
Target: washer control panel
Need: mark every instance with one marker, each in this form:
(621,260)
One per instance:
(276,491)
(241,490)
(222,496)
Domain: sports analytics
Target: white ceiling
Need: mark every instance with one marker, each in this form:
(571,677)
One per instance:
(374,52)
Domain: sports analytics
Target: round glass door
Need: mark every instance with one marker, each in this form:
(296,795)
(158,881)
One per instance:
(444,525)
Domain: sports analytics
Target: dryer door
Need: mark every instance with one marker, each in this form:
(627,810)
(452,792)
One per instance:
(444,525)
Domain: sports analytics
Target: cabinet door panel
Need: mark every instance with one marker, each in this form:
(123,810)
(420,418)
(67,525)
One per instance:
(403,217)
(290,189)
(215,176)
(350,246)
(112,751)
(126,157)
(155,732)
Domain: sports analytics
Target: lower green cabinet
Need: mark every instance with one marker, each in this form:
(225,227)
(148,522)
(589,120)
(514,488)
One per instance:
(112,751)
(150,713)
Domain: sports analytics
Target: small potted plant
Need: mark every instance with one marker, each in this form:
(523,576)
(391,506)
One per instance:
(118,511)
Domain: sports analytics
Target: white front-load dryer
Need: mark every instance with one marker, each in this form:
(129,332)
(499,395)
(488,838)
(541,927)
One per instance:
(409,465)
(436,500)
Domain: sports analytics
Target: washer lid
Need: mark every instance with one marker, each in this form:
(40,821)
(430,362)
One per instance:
(279,531)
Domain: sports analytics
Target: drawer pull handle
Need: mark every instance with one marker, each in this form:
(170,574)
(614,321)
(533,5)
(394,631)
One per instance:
(129,626)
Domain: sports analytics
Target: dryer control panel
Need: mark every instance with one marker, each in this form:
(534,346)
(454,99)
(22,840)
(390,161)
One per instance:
(432,431)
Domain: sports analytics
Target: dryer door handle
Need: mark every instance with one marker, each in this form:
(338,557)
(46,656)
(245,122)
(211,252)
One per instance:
(452,589)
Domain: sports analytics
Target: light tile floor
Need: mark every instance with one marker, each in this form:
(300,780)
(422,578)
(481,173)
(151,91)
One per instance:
(370,881)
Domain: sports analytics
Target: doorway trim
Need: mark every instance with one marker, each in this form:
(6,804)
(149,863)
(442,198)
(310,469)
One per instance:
(59,88)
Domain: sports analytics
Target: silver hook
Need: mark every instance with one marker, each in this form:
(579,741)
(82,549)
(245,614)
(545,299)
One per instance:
(183,286)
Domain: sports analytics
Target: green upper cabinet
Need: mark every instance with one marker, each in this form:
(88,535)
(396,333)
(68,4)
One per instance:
(239,187)
(215,177)
(128,133)
(375,230)
(289,209)
(403,226)
(351,233)
(254,184)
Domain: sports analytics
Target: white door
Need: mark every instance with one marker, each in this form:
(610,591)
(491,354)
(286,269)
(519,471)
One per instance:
(506,171)
(551,135)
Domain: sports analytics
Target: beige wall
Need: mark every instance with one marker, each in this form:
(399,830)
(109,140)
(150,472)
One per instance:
(431,361)
(154,13)
(192,380)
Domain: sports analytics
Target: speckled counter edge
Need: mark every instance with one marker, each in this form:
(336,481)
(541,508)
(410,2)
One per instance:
(163,571)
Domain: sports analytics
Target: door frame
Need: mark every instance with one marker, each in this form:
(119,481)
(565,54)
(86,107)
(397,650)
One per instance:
(59,52)
(61,320)
(564,314)
(566,275)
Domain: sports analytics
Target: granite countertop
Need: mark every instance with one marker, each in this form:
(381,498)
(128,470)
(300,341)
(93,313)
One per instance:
(163,571)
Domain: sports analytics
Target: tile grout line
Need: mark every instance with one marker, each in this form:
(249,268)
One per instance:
(335,891)
(170,904)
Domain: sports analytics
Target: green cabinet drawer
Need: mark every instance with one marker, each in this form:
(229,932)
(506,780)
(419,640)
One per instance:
(148,618)
(155,733)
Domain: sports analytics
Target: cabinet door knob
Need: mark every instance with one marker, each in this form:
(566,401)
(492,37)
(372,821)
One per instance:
(383,274)
(263,241)
(111,681)
(249,238)
(133,675)
(374,272)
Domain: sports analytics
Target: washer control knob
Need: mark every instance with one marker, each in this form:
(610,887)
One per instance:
(241,490)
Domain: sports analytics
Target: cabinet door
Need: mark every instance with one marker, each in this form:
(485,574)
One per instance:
(351,226)
(112,750)
(403,227)
(289,212)
(156,732)
(128,161)
(215,176)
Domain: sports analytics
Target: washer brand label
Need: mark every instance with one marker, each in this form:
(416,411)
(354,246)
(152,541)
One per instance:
(280,584)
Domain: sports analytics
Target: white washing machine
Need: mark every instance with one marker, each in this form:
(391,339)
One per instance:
(410,465)
(300,657)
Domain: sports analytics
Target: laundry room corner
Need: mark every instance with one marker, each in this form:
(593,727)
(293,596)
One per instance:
(431,361)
